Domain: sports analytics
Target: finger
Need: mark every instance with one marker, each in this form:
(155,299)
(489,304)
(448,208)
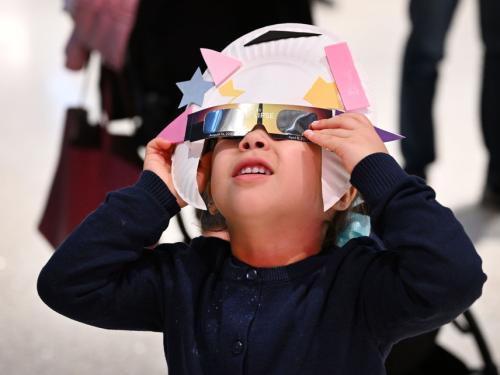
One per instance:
(346,120)
(327,141)
(338,132)
(335,122)
(158,141)
(160,146)
(162,143)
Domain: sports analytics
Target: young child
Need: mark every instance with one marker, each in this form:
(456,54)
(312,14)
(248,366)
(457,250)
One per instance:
(279,297)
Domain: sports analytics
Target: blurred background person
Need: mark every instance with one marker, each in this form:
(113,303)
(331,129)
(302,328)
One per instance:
(430,22)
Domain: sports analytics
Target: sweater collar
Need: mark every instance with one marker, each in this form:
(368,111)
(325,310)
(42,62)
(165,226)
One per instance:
(238,270)
(235,269)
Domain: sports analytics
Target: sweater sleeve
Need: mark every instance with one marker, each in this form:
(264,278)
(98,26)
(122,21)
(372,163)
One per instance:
(102,274)
(430,271)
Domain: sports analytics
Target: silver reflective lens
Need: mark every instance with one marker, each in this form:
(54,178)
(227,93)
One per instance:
(224,120)
(295,122)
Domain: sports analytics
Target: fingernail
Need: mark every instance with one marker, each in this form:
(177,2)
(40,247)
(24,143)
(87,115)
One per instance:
(308,133)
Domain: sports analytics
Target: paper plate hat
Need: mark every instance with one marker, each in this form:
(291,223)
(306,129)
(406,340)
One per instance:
(291,64)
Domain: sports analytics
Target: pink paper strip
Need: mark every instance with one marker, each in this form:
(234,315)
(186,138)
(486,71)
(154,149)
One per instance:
(346,77)
(176,130)
(219,65)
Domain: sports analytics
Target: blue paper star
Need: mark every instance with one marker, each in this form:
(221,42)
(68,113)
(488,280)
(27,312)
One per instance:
(194,89)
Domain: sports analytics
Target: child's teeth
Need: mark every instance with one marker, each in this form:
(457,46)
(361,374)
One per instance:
(251,170)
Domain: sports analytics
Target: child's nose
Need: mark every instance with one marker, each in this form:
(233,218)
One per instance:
(256,138)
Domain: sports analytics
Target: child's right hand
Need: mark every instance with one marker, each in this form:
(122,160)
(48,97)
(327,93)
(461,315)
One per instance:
(158,160)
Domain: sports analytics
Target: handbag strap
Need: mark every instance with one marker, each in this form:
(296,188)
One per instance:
(84,89)
(89,79)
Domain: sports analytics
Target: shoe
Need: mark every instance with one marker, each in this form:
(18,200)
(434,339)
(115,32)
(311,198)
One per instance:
(490,199)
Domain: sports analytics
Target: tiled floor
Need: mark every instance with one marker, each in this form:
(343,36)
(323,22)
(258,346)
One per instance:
(35,90)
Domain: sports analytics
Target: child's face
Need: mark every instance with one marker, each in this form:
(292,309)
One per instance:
(285,177)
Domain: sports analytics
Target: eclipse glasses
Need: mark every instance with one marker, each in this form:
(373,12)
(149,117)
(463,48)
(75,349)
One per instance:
(281,121)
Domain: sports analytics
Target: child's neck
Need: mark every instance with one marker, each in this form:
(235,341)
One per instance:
(279,243)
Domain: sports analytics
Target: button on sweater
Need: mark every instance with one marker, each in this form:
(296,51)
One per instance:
(337,312)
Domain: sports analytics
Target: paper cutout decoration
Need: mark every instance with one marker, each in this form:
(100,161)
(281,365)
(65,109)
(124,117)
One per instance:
(277,35)
(176,130)
(386,136)
(335,179)
(324,94)
(346,77)
(219,65)
(227,89)
(194,89)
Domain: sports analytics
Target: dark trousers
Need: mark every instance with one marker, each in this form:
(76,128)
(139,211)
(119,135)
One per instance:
(430,21)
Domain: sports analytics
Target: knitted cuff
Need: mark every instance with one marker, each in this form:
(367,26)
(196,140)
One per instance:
(377,175)
(155,186)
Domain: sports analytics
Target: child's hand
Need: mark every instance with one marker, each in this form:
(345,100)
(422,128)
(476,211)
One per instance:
(350,135)
(158,159)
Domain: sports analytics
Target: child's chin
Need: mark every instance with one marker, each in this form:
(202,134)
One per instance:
(258,206)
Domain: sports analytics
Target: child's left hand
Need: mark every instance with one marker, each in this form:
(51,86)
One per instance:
(350,135)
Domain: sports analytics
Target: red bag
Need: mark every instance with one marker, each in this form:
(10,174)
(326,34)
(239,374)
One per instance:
(88,168)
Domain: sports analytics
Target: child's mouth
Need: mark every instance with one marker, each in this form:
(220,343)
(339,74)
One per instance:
(255,170)
(252,167)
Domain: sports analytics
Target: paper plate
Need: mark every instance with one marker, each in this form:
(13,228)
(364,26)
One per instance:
(279,72)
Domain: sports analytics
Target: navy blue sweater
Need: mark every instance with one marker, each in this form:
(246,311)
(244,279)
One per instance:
(338,312)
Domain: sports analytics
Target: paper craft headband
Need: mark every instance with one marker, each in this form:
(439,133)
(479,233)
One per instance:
(293,64)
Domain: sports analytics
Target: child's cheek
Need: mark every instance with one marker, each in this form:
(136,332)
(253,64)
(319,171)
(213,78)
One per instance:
(217,182)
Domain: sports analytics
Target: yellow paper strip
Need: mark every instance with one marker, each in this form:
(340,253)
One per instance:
(227,89)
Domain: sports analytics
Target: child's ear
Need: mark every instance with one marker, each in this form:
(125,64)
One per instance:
(204,171)
(211,207)
(345,202)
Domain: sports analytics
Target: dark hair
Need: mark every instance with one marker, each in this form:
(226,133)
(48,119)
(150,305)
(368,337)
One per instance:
(210,222)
